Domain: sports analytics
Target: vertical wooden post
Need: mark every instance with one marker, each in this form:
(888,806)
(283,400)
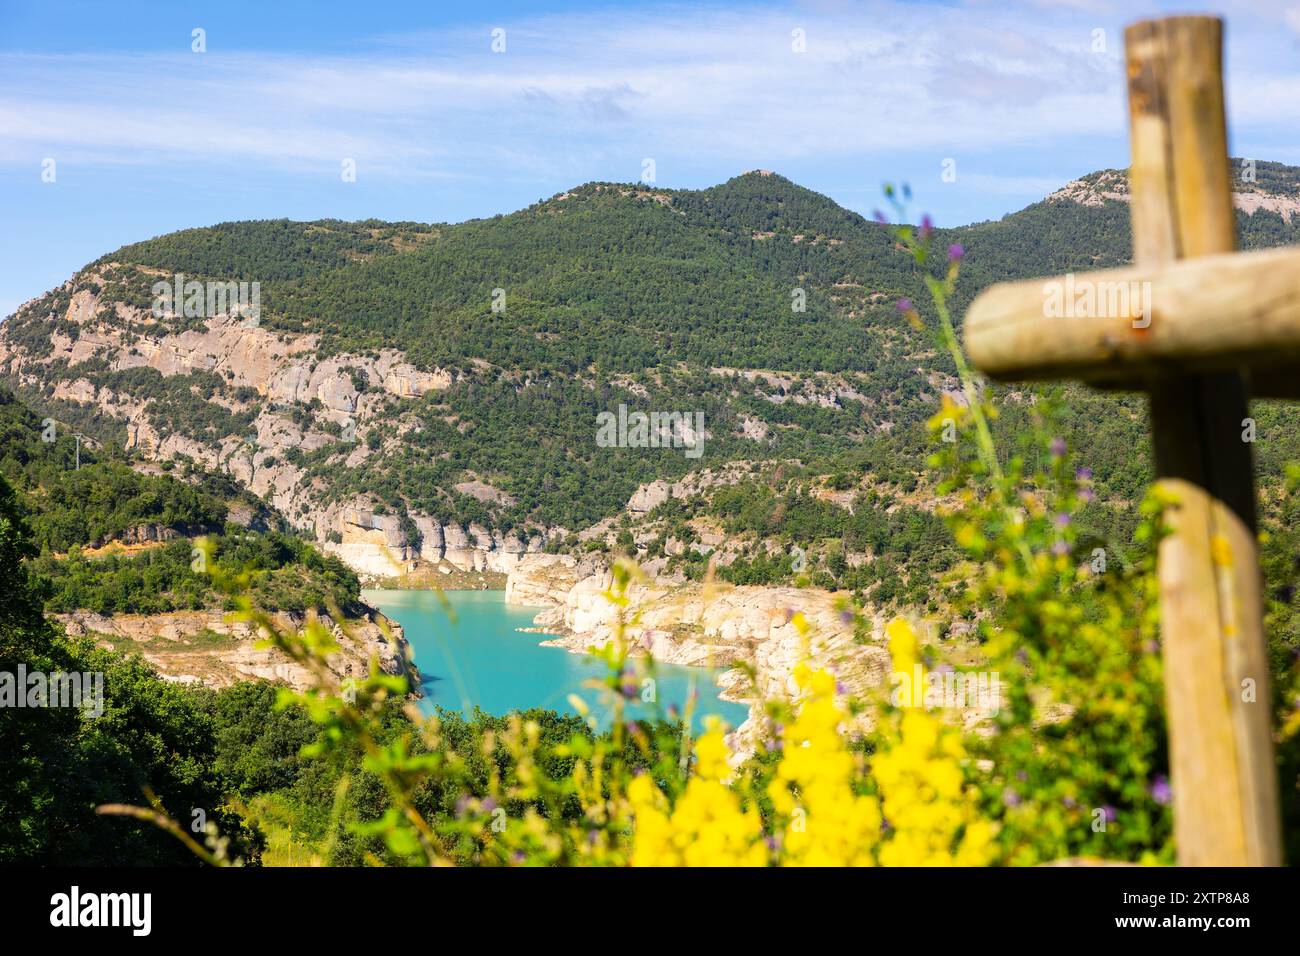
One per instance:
(1216,669)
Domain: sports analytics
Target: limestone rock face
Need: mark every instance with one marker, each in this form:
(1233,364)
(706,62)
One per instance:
(141,534)
(372,544)
(542,580)
(202,647)
(298,400)
(482,491)
(755,429)
(719,626)
(377,548)
(406,381)
(649,496)
(81,390)
(433,546)
(83,306)
(459,551)
(1096,189)
(655,493)
(282,367)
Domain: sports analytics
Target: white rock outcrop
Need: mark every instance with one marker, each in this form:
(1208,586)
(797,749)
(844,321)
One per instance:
(718,626)
(203,647)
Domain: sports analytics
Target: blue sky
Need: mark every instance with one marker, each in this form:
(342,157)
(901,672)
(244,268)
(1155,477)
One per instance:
(148,136)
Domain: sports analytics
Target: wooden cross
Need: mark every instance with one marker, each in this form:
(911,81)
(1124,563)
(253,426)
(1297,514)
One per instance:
(1201,329)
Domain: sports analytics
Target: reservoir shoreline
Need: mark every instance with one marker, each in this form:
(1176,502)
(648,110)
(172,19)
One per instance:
(485,653)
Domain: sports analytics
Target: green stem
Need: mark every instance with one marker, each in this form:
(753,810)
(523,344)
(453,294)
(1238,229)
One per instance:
(984,435)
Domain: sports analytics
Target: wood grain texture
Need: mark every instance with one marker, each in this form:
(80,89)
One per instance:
(1195,325)
(1216,677)
(1217,313)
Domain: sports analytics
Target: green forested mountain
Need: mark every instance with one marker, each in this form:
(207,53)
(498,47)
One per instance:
(99,501)
(230,758)
(612,294)
(609,294)
(60,766)
(73,509)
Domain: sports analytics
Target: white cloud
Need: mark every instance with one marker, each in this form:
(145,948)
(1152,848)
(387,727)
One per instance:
(872,80)
(685,86)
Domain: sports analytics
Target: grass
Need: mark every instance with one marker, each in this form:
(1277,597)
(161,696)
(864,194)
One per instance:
(274,815)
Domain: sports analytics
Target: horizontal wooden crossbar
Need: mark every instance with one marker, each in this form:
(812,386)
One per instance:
(1128,326)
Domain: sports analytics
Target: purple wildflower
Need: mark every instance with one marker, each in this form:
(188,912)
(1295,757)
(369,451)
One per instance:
(1111,813)
(1060,548)
(1062,520)
(1010,797)
(956,252)
(1058,447)
(880,217)
(927,227)
(1083,474)
(1161,792)
(904,305)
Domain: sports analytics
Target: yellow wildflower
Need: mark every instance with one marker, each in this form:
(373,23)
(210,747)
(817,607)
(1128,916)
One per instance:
(933,820)
(825,823)
(707,827)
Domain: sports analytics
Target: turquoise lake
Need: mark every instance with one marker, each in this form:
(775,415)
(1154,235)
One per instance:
(481,658)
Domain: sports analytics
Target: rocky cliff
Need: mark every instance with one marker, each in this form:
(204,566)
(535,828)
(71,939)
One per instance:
(295,400)
(203,647)
(714,625)
(378,548)
(1256,187)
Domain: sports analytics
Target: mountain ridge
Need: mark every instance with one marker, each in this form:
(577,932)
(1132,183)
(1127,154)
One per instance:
(389,409)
